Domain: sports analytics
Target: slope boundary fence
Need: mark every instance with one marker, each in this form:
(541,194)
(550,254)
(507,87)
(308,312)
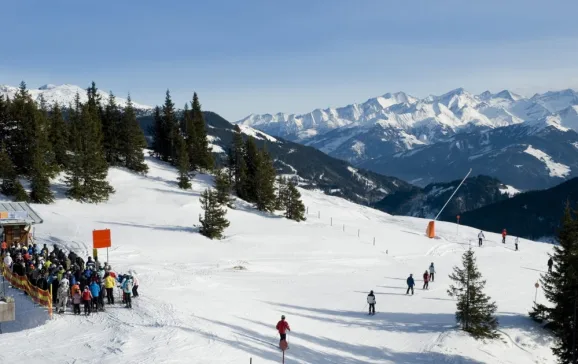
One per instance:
(39,296)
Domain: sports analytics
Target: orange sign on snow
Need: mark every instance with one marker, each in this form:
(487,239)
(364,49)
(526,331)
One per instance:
(283,345)
(101,239)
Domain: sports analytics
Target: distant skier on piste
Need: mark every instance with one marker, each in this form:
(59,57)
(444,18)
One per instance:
(504,233)
(371,301)
(432,271)
(410,284)
(516,243)
(282,327)
(550,264)
(425,280)
(481,238)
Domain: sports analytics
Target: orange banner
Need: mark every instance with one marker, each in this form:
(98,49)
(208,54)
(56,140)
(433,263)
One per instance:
(41,297)
(101,239)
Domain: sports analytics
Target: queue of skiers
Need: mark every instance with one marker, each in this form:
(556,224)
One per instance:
(70,277)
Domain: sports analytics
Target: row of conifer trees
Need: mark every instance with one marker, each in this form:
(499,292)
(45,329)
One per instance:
(82,139)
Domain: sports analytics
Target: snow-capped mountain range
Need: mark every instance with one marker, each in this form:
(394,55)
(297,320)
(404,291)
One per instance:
(64,95)
(399,125)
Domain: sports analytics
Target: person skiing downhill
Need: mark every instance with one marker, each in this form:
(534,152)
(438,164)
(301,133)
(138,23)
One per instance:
(282,327)
(410,284)
(425,280)
(481,238)
(371,301)
(516,243)
(432,271)
(504,233)
(550,264)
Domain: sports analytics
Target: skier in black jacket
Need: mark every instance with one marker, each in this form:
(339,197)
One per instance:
(371,301)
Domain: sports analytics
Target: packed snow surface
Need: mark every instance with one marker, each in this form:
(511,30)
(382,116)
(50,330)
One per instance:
(556,169)
(204,301)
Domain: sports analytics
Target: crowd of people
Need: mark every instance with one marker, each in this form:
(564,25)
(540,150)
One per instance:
(69,277)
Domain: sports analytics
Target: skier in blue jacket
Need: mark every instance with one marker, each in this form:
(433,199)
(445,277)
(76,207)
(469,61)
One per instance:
(410,284)
(95,290)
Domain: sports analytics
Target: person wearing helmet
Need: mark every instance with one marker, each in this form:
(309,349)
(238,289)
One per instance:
(282,327)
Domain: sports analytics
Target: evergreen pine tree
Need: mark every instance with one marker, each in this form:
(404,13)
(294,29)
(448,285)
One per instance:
(475,312)
(214,221)
(74,159)
(223,189)
(189,131)
(23,112)
(132,141)
(183,164)
(202,152)
(43,161)
(111,132)
(170,130)
(158,130)
(294,209)
(20,193)
(88,169)
(281,201)
(265,183)
(4,118)
(561,289)
(253,162)
(7,174)
(58,136)
(238,164)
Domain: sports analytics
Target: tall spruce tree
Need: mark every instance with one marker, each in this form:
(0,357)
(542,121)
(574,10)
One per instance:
(294,208)
(214,222)
(252,158)
(111,132)
(282,193)
(265,183)
(88,169)
(43,161)
(203,159)
(7,173)
(238,164)
(171,130)
(4,118)
(561,289)
(475,312)
(183,164)
(223,189)
(58,136)
(23,112)
(158,132)
(132,141)
(189,131)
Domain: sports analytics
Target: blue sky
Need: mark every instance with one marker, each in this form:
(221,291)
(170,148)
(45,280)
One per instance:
(266,56)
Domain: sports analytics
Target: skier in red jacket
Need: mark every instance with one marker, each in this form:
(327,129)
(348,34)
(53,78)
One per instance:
(504,233)
(282,327)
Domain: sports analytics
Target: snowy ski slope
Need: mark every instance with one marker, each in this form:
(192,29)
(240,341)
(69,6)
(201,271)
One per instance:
(195,307)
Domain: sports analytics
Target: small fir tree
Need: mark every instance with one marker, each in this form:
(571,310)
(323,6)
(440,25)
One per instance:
(294,208)
(475,312)
(20,193)
(183,165)
(214,222)
(223,189)
(561,289)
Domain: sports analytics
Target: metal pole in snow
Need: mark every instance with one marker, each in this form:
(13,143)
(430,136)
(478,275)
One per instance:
(449,199)
(358,233)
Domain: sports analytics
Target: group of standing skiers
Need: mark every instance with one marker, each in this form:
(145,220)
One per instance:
(68,276)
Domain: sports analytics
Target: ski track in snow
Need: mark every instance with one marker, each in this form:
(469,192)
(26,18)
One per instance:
(196,306)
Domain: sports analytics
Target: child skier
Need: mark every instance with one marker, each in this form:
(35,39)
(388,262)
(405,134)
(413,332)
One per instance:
(76,299)
(87,299)
(425,280)
(282,327)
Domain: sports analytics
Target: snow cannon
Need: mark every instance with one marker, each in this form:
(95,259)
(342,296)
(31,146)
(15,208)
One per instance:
(430,231)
